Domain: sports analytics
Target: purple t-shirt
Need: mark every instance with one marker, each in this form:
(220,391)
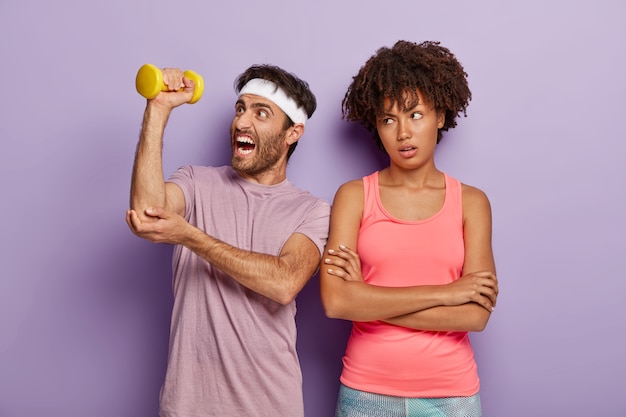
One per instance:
(233,351)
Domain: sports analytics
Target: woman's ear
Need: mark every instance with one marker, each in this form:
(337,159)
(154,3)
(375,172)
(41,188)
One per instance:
(441,118)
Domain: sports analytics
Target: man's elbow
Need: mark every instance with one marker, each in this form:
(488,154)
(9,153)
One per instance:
(285,297)
(287,293)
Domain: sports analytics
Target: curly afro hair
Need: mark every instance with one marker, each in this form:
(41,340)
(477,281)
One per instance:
(397,73)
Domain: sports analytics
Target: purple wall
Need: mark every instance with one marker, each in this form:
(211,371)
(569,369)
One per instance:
(84,305)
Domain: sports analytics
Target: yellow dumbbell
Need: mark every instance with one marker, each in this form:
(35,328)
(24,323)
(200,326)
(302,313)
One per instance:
(149,82)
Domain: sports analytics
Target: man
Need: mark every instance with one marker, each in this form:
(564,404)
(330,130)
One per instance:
(247,241)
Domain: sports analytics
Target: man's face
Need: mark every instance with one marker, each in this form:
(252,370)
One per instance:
(257,135)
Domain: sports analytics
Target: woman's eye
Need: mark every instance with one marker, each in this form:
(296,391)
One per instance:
(416,116)
(387,121)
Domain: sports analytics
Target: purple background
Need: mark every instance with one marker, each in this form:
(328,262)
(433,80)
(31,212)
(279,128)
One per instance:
(85,305)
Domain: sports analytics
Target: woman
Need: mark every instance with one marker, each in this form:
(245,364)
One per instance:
(409,257)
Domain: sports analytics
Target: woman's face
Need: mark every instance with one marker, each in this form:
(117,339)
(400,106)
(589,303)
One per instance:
(409,135)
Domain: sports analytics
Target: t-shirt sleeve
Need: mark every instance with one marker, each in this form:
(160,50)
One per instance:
(315,225)
(184,178)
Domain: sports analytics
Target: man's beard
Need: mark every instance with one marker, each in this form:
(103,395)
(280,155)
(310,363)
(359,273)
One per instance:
(268,151)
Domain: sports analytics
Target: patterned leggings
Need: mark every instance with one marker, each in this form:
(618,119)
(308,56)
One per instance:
(354,403)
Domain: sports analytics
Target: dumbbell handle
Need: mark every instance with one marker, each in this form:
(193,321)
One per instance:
(149,82)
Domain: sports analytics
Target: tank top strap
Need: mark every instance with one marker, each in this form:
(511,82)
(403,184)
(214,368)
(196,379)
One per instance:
(370,193)
(453,199)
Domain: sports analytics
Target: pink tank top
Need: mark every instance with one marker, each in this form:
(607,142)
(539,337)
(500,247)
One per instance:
(394,360)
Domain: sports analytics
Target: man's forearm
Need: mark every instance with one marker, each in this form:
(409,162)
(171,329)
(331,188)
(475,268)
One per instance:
(148,182)
(279,278)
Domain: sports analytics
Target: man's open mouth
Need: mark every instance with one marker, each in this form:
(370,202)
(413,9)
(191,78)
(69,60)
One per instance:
(245,145)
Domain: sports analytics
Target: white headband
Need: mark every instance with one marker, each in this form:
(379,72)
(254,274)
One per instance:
(269,90)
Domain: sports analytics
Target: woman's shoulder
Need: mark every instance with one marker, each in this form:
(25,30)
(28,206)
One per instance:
(352,185)
(474,198)
(356,185)
(472,192)
(350,190)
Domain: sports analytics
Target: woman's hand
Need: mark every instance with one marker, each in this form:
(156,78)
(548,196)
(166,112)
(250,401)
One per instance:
(480,287)
(344,263)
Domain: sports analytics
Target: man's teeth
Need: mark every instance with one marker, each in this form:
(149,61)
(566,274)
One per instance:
(245,145)
(243,139)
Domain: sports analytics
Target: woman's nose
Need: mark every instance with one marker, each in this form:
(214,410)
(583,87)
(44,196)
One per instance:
(403,131)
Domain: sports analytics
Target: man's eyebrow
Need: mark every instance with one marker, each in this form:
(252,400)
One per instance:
(256,105)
